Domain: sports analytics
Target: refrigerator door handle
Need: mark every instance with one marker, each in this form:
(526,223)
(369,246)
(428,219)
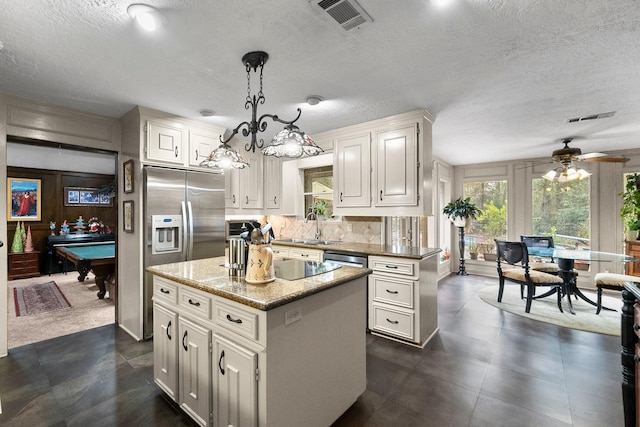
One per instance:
(186,236)
(190,235)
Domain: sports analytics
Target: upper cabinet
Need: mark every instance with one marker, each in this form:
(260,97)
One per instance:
(352,171)
(384,167)
(159,138)
(164,142)
(397,166)
(272,183)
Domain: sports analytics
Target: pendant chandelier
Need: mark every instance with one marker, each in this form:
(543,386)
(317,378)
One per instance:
(290,142)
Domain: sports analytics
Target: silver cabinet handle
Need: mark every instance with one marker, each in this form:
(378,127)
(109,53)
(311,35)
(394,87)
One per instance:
(393,322)
(380,195)
(233,198)
(392,292)
(247,202)
(176,151)
(275,200)
(196,155)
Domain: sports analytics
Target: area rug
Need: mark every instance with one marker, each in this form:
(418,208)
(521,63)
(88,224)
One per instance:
(546,310)
(35,299)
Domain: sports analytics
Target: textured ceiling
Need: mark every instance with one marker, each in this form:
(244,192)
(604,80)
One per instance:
(501,76)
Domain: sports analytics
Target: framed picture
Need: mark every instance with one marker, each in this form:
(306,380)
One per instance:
(127,214)
(23,199)
(86,196)
(127,168)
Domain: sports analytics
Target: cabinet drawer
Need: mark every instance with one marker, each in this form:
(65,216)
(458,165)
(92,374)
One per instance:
(280,251)
(394,265)
(165,290)
(392,291)
(195,302)
(306,254)
(394,322)
(235,319)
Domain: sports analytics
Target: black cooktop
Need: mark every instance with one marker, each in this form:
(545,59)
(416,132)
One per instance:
(294,269)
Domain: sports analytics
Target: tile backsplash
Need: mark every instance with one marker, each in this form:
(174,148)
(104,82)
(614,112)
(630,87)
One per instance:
(349,230)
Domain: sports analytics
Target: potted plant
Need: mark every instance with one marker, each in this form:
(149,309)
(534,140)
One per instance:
(473,250)
(630,210)
(488,252)
(460,210)
(320,206)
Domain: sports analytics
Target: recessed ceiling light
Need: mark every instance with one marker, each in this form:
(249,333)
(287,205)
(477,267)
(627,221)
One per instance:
(441,3)
(207,113)
(148,17)
(314,99)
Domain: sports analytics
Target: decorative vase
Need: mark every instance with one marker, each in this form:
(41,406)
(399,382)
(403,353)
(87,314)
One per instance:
(459,222)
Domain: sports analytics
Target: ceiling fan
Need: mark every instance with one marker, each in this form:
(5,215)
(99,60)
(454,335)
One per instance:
(566,155)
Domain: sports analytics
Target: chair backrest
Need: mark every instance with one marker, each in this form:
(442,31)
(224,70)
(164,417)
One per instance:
(512,253)
(539,243)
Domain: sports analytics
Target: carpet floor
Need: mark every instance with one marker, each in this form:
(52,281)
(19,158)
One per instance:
(86,311)
(546,310)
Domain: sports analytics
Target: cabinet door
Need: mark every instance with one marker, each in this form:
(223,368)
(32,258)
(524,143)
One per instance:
(200,146)
(236,399)
(352,170)
(165,350)
(195,370)
(397,167)
(272,182)
(232,188)
(251,184)
(165,143)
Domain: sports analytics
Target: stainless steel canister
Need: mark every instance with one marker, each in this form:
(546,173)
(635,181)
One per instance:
(237,257)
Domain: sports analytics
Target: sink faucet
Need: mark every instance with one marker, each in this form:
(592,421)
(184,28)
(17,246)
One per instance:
(315,216)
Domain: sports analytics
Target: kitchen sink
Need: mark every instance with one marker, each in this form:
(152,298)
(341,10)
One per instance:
(310,241)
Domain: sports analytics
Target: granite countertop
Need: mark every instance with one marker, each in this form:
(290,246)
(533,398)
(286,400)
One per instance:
(368,249)
(210,275)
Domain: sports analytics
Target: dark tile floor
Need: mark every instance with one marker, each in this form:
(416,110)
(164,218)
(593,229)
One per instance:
(484,368)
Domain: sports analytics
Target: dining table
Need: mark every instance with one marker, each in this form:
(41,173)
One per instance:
(567,258)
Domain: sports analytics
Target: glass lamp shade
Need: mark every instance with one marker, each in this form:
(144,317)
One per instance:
(291,142)
(566,174)
(224,157)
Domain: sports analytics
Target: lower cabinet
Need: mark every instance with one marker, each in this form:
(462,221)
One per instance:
(194,370)
(235,371)
(211,356)
(403,298)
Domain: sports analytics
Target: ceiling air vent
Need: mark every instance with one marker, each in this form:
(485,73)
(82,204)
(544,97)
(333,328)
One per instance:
(592,117)
(347,13)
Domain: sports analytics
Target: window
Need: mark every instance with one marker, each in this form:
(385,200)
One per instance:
(561,210)
(491,198)
(318,190)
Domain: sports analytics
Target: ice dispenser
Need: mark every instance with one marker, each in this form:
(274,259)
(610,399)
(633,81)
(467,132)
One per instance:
(167,234)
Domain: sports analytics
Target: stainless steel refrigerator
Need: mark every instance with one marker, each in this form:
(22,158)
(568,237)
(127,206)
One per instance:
(184,220)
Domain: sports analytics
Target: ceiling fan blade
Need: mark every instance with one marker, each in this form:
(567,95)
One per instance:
(608,159)
(590,156)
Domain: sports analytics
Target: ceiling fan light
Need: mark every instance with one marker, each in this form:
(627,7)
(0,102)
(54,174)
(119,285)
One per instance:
(583,174)
(550,176)
(147,17)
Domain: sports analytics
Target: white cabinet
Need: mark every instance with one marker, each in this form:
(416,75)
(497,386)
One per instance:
(165,350)
(272,182)
(306,254)
(201,144)
(232,188)
(251,184)
(165,142)
(352,171)
(397,166)
(244,188)
(280,251)
(194,363)
(235,382)
(403,298)
(229,376)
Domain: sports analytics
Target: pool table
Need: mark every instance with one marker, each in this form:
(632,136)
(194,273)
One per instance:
(98,257)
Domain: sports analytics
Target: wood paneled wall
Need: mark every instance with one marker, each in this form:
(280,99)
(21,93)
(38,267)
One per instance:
(52,202)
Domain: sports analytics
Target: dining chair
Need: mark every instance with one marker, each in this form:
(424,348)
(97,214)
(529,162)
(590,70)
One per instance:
(545,244)
(612,282)
(513,266)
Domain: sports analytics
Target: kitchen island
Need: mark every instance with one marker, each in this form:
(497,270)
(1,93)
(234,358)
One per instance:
(285,353)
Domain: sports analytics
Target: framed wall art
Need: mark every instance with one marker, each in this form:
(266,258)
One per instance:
(127,169)
(23,199)
(86,196)
(127,215)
